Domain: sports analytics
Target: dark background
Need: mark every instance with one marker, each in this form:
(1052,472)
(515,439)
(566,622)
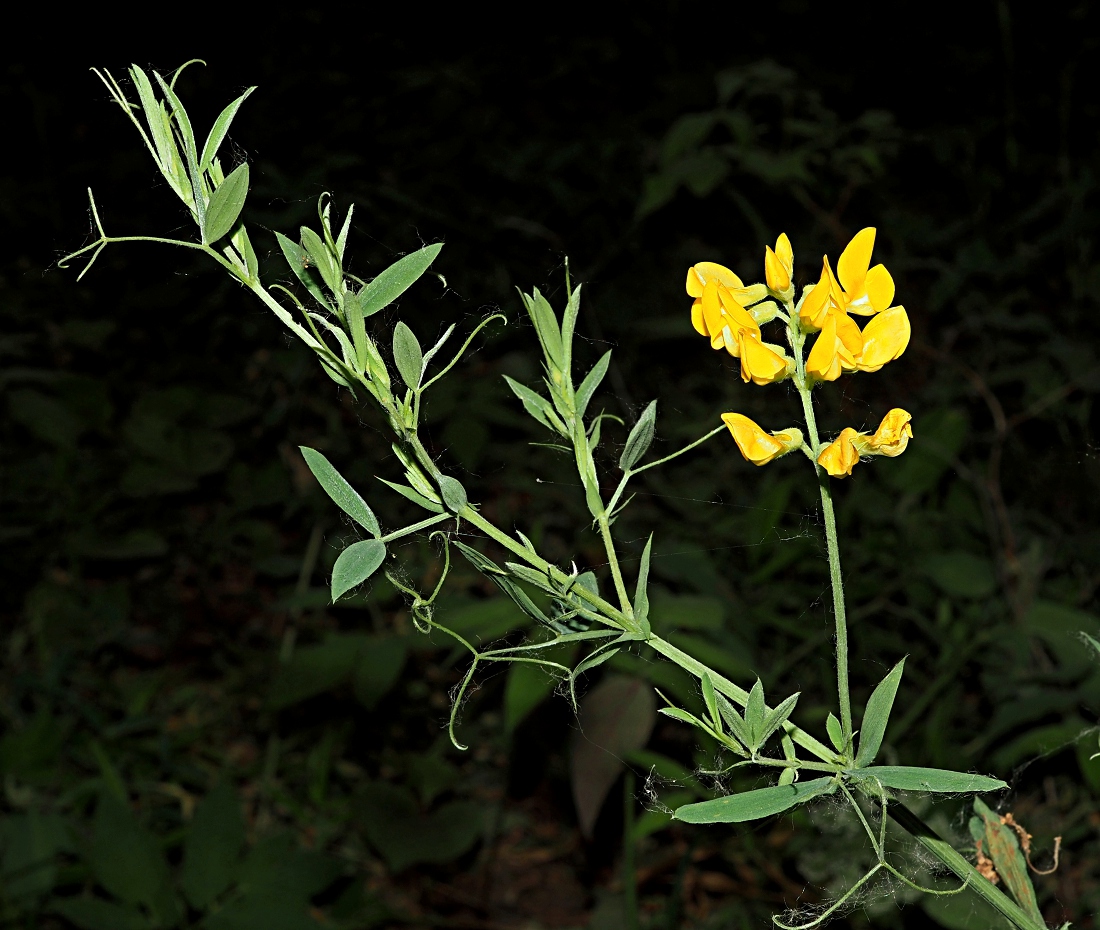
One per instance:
(165,613)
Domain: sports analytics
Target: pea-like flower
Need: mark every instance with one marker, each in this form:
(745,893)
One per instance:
(758,446)
(890,439)
(702,273)
(867,290)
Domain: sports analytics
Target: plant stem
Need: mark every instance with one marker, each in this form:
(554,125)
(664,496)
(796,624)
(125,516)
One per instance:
(951,858)
(613,562)
(840,616)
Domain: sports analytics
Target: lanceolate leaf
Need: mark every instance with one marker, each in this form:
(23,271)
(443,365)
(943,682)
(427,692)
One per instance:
(344,495)
(914,778)
(407,355)
(877,715)
(221,128)
(297,259)
(225,205)
(777,717)
(641,593)
(591,382)
(640,438)
(546,325)
(355,565)
(754,713)
(754,805)
(734,721)
(398,278)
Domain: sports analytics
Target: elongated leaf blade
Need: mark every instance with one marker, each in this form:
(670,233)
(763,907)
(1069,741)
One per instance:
(398,278)
(296,258)
(322,259)
(225,205)
(546,325)
(777,717)
(915,778)
(537,406)
(711,701)
(754,712)
(342,493)
(591,382)
(754,805)
(415,496)
(640,438)
(453,494)
(355,565)
(734,720)
(641,593)
(220,130)
(877,715)
(568,324)
(407,355)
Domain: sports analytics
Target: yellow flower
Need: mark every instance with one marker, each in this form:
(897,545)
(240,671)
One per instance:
(757,446)
(885,337)
(821,300)
(722,317)
(867,291)
(779,265)
(839,457)
(761,362)
(700,274)
(837,348)
(890,439)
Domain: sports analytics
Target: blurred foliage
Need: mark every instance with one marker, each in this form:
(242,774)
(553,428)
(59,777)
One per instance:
(191,735)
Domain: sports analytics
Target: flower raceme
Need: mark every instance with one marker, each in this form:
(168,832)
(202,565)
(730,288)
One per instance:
(890,439)
(758,446)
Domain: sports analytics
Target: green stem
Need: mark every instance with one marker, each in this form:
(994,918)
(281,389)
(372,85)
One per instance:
(946,854)
(613,562)
(840,616)
(416,527)
(630,473)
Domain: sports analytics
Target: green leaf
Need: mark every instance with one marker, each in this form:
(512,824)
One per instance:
(321,258)
(877,716)
(343,494)
(734,721)
(836,733)
(355,565)
(127,860)
(297,259)
(914,778)
(220,129)
(453,493)
(754,713)
(415,496)
(546,325)
(313,670)
(404,836)
(527,686)
(591,382)
(407,355)
(776,718)
(97,914)
(31,844)
(380,663)
(640,438)
(641,592)
(754,805)
(398,278)
(711,701)
(213,847)
(537,407)
(225,205)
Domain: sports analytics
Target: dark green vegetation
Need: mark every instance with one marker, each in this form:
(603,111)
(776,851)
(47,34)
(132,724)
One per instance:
(189,730)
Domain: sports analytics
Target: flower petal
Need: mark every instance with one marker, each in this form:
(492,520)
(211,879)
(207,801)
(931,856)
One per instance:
(784,252)
(880,288)
(885,338)
(756,445)
(840,456)
(778,278)
(734,313)
(891,438)
(759,363)
(855,260)
(697,317)
(702,272)
(823,363)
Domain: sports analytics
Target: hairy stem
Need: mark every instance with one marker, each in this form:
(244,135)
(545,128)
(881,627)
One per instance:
(613,562)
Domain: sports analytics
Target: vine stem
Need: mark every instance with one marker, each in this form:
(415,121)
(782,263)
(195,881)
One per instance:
(613,562)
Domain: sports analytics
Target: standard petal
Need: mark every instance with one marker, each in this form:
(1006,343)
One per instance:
(879,286)
(840,457)
(885,338)
(855,260)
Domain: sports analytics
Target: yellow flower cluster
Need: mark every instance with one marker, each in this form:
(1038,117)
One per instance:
(730,313)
